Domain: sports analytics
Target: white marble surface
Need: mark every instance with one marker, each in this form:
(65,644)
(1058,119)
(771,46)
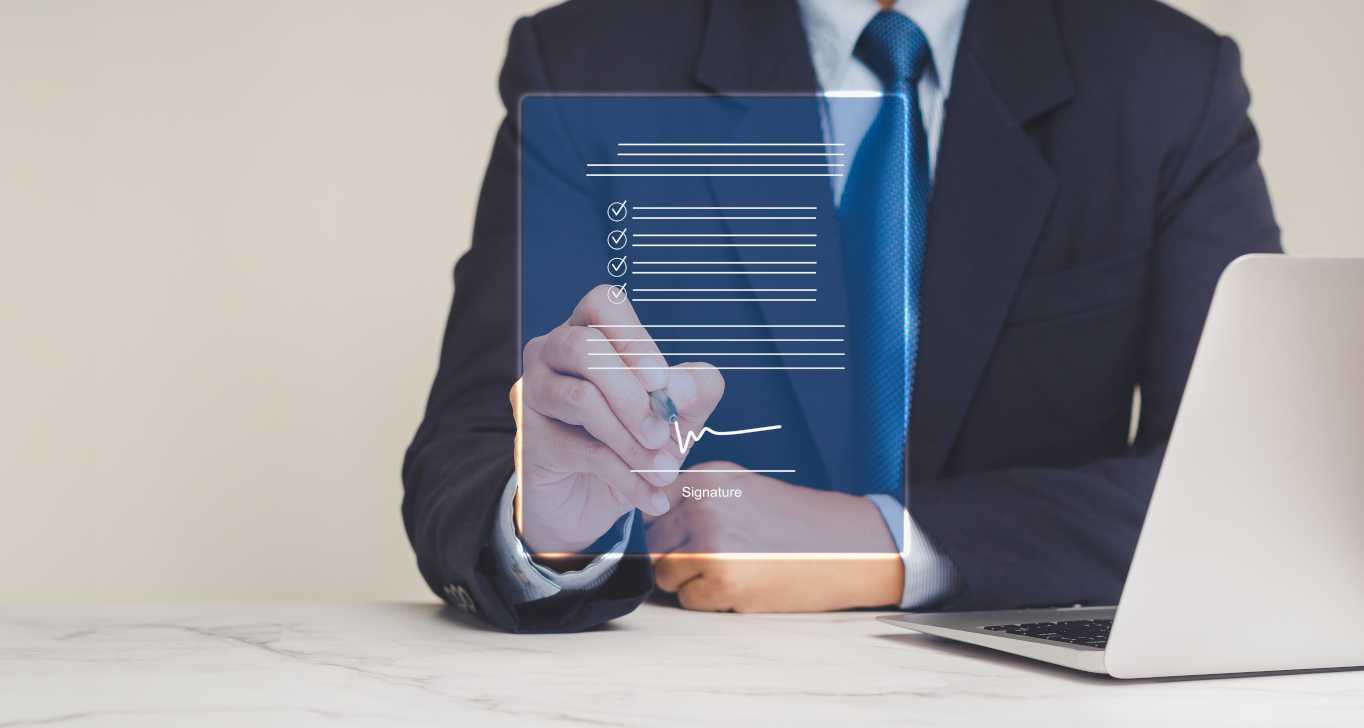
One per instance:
(419,664)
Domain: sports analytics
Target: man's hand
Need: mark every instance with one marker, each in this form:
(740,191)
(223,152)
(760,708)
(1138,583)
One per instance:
(583,423)
(739,553)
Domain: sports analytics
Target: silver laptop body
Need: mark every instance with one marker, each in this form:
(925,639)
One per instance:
(1251,557)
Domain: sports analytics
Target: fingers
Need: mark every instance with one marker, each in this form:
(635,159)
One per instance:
(696,389)
(557,447)
(703,582)
(631,341)
(673,571)
(578,402)
(579,352)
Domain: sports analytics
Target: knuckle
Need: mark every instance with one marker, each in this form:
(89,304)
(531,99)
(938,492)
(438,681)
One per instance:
(559,343)
(588,333)
(574,393)
(577,343)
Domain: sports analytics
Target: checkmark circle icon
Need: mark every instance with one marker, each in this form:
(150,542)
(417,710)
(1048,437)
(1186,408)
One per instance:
(616,294)
(616,267)
(616,239)
(615,211)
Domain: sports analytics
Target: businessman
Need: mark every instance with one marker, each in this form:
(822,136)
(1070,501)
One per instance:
(1079,174)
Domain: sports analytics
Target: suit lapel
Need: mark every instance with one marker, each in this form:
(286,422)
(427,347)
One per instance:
(812,390)
(759,47)
(992,194)
(754,46)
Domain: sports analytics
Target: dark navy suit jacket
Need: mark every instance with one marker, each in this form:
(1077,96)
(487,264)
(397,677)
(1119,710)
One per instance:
(1097,172)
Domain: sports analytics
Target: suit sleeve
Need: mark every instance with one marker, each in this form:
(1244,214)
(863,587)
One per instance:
(1048,536)
(458,465)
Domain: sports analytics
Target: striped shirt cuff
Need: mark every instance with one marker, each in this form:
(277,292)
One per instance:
(930,576)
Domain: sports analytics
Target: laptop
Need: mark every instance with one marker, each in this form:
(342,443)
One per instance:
(1251,557)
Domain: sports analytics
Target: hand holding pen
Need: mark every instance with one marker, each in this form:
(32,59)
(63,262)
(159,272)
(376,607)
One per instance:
(596,412)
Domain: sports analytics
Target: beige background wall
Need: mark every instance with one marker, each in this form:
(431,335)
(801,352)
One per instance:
(227,231)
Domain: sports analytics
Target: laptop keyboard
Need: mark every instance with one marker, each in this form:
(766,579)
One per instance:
(1087,632)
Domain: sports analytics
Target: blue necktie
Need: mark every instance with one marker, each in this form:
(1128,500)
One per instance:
(884,215)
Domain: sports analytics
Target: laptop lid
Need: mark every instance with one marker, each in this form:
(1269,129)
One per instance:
(1252,553)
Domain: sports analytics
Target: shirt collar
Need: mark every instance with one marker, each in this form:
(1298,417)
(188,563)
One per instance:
(833,27)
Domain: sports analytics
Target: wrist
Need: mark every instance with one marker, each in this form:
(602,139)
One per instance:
(544,546)
(880,580)
(873,572)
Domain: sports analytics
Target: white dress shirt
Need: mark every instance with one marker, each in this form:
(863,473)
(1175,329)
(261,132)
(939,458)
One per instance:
(832,27)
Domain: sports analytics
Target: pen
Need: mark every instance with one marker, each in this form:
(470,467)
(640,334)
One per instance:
(662,405)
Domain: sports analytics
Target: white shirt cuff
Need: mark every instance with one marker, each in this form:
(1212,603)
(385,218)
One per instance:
(523,580)
(930,575)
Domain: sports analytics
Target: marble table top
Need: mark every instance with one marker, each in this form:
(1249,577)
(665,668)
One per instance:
(421,664)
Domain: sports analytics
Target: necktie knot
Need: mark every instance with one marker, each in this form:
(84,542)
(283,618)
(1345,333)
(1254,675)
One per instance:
(895,49)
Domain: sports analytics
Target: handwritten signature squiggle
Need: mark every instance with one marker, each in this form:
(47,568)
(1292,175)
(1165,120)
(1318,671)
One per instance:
(685,443)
